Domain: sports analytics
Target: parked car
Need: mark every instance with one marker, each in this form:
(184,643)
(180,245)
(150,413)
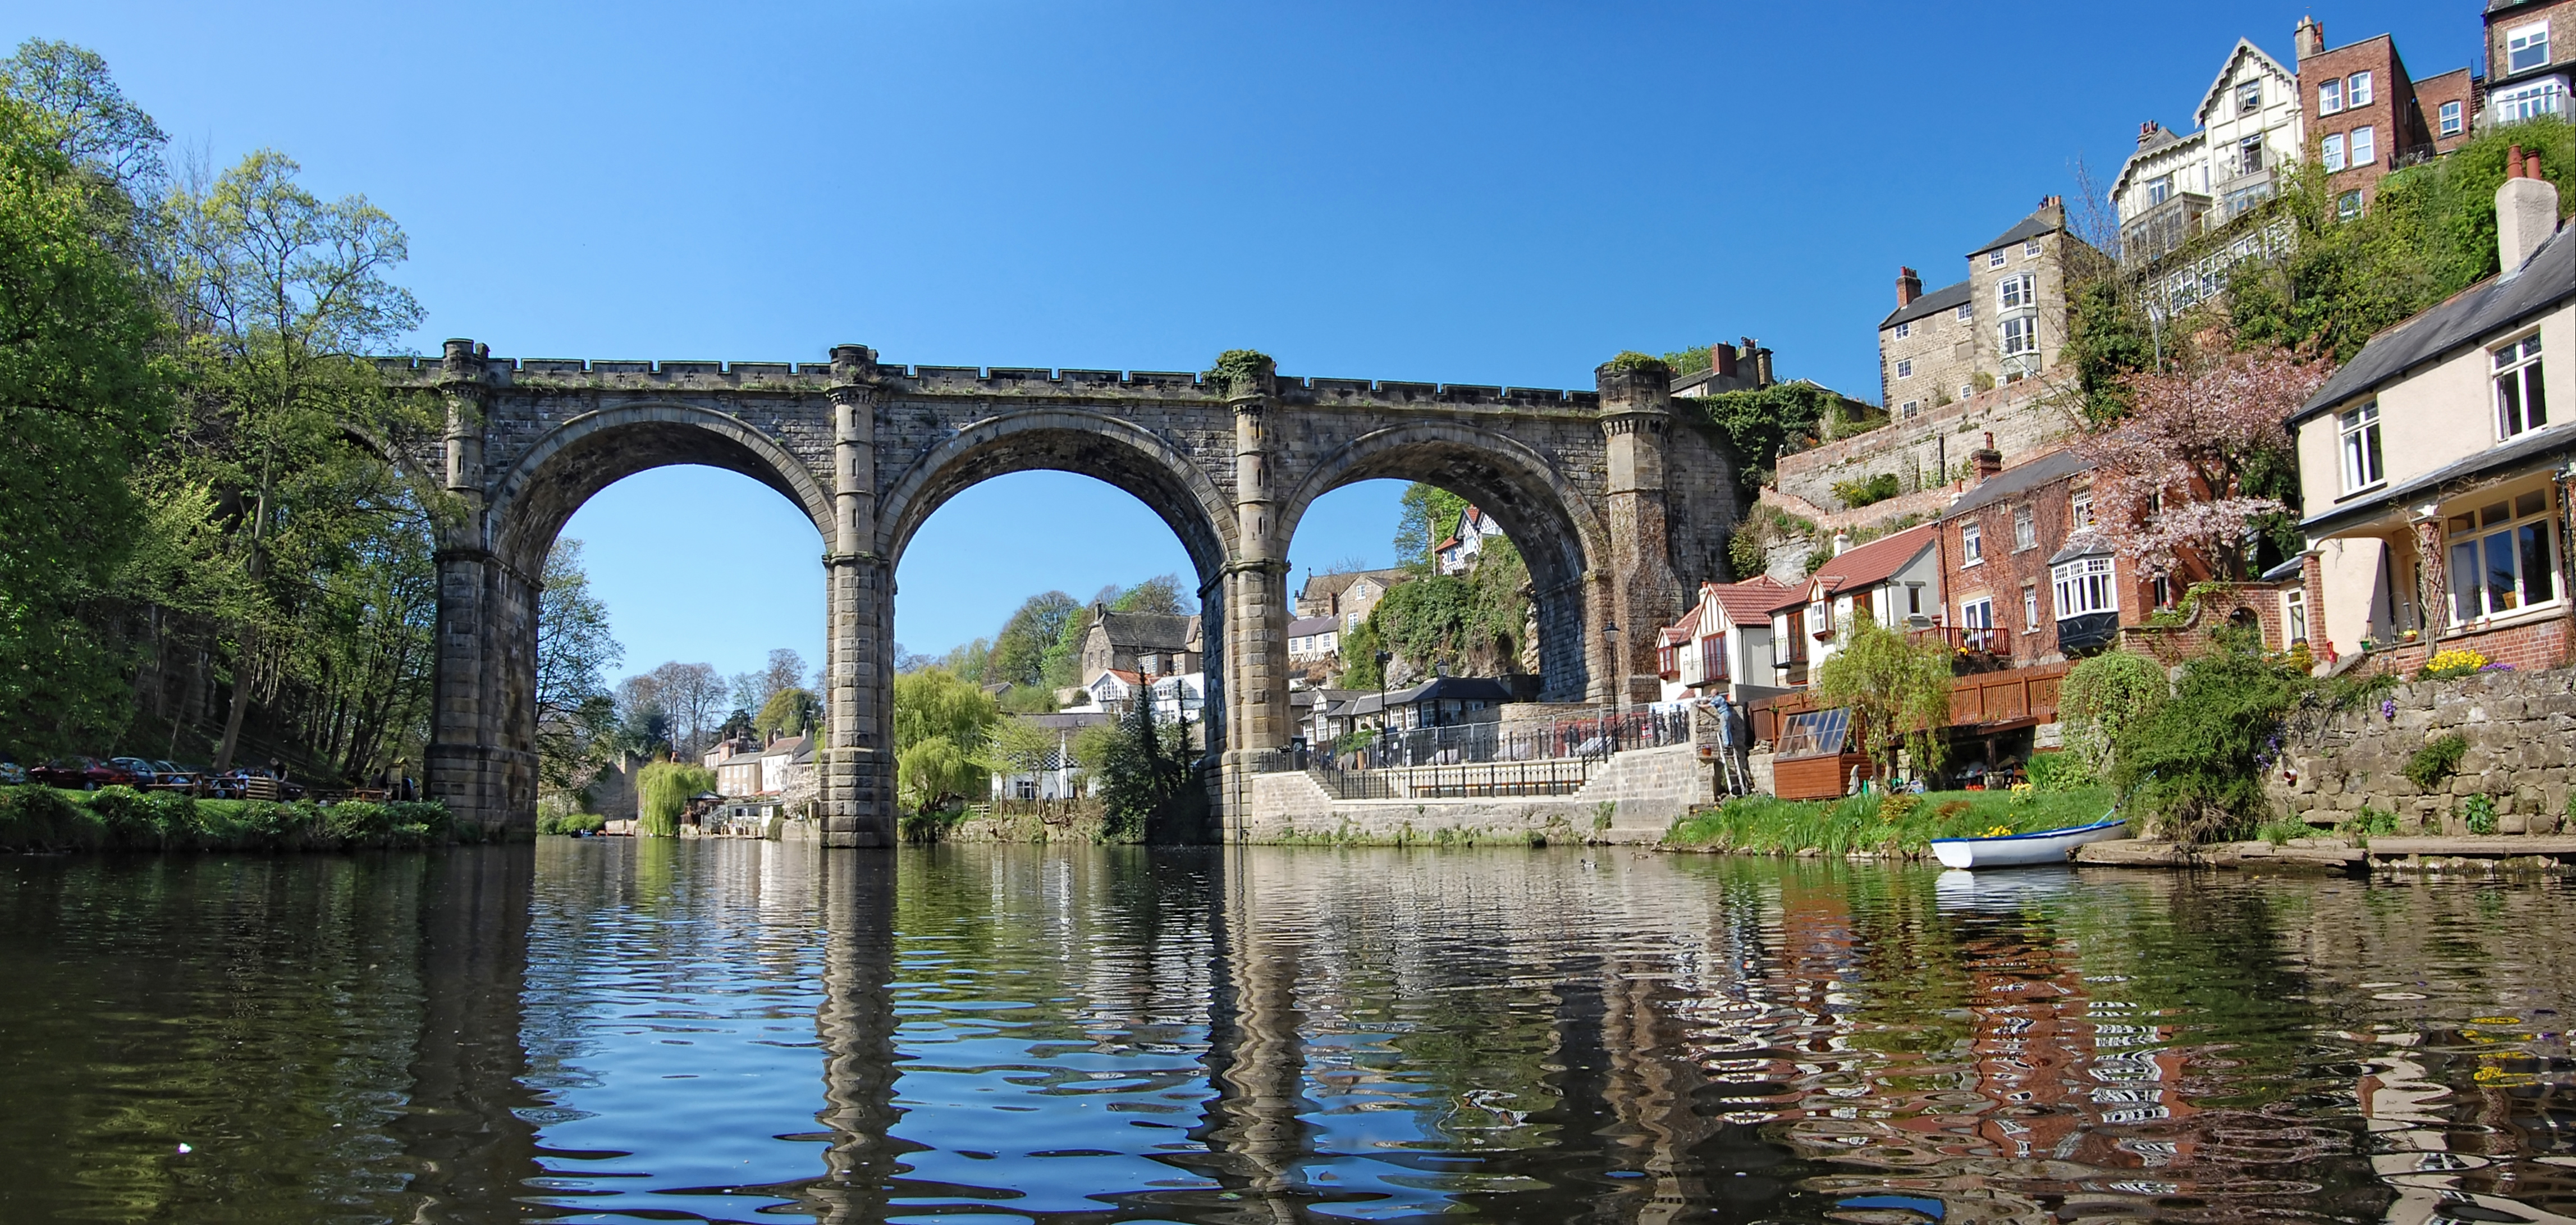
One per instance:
(238,784)
(146,772)
(183,778)
(81,774)
(11,773)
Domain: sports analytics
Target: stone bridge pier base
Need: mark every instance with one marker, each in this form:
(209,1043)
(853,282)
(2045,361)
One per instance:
(482,758)
(858,778)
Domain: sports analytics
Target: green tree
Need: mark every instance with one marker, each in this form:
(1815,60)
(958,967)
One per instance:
(1429,512)
(941,722)
(1760,424)
(576,717)
(662,791)
(1020,650)
(792,711)
(1896,690)
(1144,775)
(81,399)
(1162,593)
(2199,759)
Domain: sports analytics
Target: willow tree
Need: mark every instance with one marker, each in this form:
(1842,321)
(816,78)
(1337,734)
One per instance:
(662,792)
(1897,692)
(941,723)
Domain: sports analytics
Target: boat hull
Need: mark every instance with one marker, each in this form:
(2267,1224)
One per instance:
(2023,850)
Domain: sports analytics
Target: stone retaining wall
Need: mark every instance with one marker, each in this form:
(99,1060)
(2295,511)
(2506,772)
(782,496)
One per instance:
(1635,798)
(2521,733)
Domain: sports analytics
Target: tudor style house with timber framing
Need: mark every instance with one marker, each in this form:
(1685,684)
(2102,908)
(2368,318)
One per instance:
(2438,464)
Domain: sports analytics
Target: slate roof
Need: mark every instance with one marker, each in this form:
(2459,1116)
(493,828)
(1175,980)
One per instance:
(1306,626)
(2031,227)
(1933,303)
(2470,317)
(2084,543)
(1325,586)
(1148,631)
(2547,442)
(1452,689)
(2019,479)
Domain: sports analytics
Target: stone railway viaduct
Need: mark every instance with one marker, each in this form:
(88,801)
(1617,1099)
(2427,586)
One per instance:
(1617,510)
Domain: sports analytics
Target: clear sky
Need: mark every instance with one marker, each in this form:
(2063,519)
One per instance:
(1465,192)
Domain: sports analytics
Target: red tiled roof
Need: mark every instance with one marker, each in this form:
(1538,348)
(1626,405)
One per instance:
(1684,629)
(1749,602)
(1865,566)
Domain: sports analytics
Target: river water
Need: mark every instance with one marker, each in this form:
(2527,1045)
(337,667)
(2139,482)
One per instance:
(603,1030)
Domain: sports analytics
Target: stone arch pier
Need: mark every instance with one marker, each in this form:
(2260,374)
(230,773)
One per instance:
(1617,506)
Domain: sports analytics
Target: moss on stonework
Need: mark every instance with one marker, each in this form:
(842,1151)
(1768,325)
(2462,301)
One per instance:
(1238,371)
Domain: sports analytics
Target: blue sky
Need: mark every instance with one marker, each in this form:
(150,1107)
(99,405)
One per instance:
(1481,193)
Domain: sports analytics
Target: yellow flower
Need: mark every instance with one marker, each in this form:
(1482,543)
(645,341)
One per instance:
(1997,832)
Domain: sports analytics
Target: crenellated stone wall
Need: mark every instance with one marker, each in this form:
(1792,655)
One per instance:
(2521,733)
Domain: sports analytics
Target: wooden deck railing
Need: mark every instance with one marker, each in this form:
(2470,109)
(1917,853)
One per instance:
(1976,701)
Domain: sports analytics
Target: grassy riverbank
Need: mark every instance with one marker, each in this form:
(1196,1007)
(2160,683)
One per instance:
(34,818)
(1899,825)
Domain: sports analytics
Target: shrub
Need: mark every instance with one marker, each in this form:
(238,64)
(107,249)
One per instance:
(2102,698)
(572,823)
(2197,760)
(2369,823)
(1895,690)
(2479,813)
(2437,760)
(2059,771)
(2450,663)
(1867,490)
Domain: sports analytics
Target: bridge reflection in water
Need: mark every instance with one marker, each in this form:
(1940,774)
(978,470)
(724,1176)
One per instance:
(762,1032)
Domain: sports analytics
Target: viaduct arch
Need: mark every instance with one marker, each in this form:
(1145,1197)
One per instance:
(1618,510)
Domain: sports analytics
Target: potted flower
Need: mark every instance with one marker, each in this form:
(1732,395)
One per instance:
(2368,645)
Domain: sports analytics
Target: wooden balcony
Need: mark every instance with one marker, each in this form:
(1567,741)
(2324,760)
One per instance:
(1983,702)
(1975,648)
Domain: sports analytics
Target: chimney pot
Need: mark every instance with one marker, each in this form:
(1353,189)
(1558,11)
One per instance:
(2513,161)
(2531,165)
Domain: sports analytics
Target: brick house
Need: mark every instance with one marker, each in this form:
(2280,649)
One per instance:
(2364,116)
(2531,56)
(2006,322)
(2438,464)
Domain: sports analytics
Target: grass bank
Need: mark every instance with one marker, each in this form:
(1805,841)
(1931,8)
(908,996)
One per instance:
(34,818)
(1893,826)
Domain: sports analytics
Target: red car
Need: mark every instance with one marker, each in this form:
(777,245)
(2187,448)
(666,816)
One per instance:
(80,774)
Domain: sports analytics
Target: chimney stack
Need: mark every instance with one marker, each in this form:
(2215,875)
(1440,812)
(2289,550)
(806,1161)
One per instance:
(1721,358)
(1842,542)
(2147,132)
(2308,40)
(1989,461)
(2526,211)
(1909,286)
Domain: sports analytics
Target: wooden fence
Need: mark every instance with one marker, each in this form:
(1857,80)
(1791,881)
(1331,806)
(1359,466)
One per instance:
(1984,700)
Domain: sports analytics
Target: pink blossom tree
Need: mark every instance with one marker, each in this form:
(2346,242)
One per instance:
(2169,477)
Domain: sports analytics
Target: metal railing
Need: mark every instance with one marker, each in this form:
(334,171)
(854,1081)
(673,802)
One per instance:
(1479,743)
(1484,780)
(1968,639)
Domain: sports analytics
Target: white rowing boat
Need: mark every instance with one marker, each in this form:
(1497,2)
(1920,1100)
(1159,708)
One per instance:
(2023,850)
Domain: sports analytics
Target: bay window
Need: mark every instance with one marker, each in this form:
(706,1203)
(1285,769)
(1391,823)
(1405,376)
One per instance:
(2021,335)
(2520,404)
(2502,557)
(2016,292)
(2526,102)
(2084,585)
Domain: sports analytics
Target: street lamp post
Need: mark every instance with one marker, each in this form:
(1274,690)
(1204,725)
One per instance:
(1383,659)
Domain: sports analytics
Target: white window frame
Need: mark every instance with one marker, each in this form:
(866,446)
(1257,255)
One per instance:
(2448,122)
(2528,532)
(1967,390)
(2330,96)
(2079,508)
(2020,335)
(2029,607)
(2357,443)
(2025,528)
(1911,407)
(2528,101)
(2249,97)
(2030,249)
(2330,151)
(2533,37)
(2294,617)
(2085,586)
(1972,544)
(1995,258)
(2159,189)
(2521,405)
(2017,292)
(1967,311)
(2365,145)
(2348,205)
(2357,90)
(1904,329)
(1977,614)
(1905,367)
